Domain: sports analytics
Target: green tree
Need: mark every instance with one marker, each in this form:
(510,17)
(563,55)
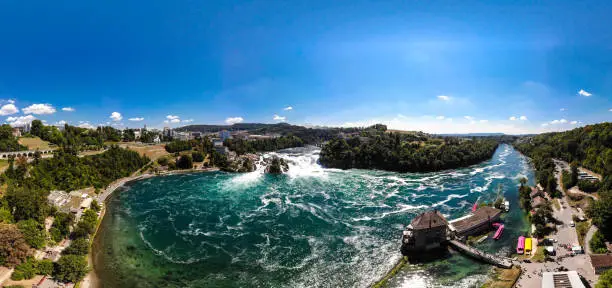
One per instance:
(27,203)
(197,156)
(605,280)
(37,128)
(33,233)
(70,268)
(45,267)
(184,162)
(79,246)
(5,216)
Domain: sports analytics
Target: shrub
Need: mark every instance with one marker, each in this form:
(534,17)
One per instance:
(163,161)
(79,246)
(588,186)
(197,157)
(184,162)
(33,232)
(598,243)
(70,268)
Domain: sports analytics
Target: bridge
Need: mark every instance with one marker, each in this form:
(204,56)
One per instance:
(27,154)
(475,253)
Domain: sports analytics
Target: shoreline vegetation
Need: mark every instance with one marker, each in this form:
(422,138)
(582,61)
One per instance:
(377,148)
(27,184)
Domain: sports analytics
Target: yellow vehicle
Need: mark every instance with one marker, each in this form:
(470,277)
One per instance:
(528,242)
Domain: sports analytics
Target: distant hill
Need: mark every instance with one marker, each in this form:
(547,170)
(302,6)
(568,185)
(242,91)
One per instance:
(471,135)
(204,128)
(308,135)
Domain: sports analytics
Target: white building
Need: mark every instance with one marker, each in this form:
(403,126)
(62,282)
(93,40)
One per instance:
(568,279)
(183,136)
(58,198)
(217,143)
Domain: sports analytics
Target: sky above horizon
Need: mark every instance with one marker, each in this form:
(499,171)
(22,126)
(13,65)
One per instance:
(435,66)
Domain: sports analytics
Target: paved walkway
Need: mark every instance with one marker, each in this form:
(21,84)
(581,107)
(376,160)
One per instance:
(565,235)
(489,258)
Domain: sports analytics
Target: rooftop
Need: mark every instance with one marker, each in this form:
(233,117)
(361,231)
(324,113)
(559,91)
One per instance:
(429,219)
(569,279)
(537,201)
(478,217)
(601,261)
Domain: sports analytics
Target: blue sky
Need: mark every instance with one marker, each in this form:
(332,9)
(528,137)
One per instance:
(435,66)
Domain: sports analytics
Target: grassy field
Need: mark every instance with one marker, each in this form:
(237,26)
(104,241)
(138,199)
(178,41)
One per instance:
(581,229)
(151,151)
(34,143)
(503,278)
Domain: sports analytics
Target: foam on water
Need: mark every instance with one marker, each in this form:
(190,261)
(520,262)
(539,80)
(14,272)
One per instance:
(312,227)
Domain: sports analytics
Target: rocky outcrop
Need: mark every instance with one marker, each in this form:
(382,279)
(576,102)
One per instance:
(276,165)
(243,163)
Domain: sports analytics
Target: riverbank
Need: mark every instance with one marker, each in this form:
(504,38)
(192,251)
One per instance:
(312,227)
(92,280)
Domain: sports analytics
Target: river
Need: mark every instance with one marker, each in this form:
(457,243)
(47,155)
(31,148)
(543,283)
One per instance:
(312,227)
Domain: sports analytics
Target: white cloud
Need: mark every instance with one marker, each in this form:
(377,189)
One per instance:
(512,118)
(449,119)
(116,116)
(279,118)
(68,109)
(8,109)
(471,118)
(610,110)
(523,118)
(172,117)
(544,124)
(562,121)
(562,109)
(61,122)
(288,108)
(233,120)
(18,121)
(574,122)
(11,101)
(136,119)
(39,109)
(440,117)
(444,97)
(187,121)
(584,93)
(87,125)
(484,121)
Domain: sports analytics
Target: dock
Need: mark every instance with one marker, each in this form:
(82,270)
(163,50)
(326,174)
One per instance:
(475,253)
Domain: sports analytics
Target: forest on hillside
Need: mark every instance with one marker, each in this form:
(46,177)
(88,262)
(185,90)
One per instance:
(589,146)
(376,148)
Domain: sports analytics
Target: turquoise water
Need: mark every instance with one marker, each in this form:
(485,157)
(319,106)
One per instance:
(313,227)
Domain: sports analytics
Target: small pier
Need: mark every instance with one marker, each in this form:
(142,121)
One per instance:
(475,253)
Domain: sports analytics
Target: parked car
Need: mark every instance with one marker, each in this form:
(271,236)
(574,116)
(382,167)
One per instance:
(572,224)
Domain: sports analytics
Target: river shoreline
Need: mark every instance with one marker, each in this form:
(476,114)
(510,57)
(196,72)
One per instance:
(92,280)
(474,181)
